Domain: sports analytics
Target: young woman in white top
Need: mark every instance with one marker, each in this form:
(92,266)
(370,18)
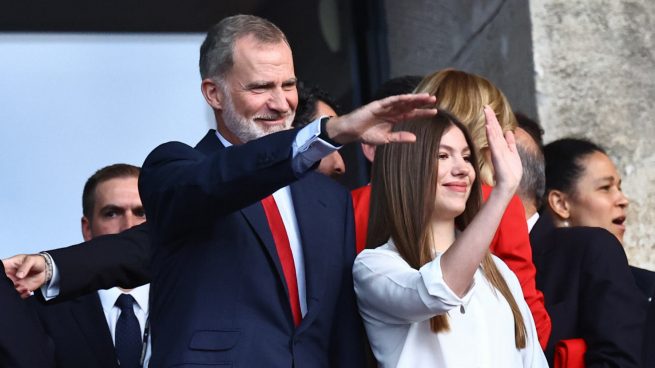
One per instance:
(432,295)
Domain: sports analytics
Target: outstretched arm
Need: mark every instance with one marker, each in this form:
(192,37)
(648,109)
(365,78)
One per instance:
(103,262)
(462,259)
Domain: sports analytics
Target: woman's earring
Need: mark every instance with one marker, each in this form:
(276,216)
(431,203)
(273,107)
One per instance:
(565,223)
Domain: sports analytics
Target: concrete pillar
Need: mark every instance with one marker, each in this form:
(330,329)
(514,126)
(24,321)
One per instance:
(595,78)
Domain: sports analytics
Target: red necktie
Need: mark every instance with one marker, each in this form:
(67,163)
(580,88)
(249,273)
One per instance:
(284,253)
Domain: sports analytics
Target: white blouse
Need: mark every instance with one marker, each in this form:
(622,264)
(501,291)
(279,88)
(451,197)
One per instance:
(396,303)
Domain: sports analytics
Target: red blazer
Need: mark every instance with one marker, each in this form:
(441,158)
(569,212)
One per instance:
(361,201)
(511,244)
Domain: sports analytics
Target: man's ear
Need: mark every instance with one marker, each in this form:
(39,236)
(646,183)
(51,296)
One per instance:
(86,229)
(369,151)
(212,93)
(559,205)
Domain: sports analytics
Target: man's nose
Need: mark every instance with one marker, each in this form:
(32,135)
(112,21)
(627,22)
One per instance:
(339,165)
(278,101)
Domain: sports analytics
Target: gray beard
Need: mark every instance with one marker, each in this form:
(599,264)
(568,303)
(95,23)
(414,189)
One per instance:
(247,129)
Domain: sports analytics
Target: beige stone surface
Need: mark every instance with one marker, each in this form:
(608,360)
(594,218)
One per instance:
(595,78)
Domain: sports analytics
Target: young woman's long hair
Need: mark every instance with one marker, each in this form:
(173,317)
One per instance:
(403,191)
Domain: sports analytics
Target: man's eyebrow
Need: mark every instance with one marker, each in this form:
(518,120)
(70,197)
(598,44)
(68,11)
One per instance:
(111,207)
(290,81)
(259,84)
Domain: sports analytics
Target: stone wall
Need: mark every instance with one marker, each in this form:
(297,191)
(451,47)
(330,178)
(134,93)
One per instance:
(595,78)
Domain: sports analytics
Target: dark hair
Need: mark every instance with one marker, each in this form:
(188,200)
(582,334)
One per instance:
(308,97)
(531,127)
(100,176)
(564,162)
(397,86)
(216,51)
(403,188)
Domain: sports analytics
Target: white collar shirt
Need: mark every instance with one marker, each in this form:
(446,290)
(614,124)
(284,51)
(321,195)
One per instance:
(532,220)
(112,312)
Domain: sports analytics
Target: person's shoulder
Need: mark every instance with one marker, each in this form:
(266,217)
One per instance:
(596,246)
(385,251)
(595,238)
(57,306)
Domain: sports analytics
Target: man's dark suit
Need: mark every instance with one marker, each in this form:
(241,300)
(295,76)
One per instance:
(589,292)
(23,343)
(218,291)
(79,331)
(646,281)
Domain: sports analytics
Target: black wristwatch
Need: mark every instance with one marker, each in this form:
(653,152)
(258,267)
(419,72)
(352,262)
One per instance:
(324,136)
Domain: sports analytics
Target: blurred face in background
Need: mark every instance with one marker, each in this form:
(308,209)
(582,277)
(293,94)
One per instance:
(117,207)
(598,200)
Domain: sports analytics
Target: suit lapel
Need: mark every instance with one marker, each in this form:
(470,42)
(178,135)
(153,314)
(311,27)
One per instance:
(309,206)
(256,218)
(88,313)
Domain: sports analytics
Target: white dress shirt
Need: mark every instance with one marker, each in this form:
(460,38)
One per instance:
(532,220)
(397,301)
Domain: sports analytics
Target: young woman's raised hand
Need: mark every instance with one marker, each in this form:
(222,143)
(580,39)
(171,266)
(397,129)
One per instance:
(504,155)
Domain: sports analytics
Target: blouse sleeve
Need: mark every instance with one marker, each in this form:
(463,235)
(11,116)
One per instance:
(390,291)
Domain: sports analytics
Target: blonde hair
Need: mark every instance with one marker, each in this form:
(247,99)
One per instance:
(402,205)
(464,95)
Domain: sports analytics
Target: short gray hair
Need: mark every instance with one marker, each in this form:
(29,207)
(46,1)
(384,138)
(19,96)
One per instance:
(533,182)
(216,52)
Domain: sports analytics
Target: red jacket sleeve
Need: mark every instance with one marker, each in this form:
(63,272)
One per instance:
(361,202)
(512,244)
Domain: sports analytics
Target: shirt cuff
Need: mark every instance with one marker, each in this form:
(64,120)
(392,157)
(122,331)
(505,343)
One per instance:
(308,148)
(51,289)
(436,285)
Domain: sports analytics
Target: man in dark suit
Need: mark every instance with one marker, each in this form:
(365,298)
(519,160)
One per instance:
(223,289)
(86,329)
(583,272)
(232,282)
(23,343)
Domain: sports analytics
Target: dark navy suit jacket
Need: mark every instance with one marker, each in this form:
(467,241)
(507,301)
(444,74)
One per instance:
(23,343)
(218,292)
(589,293)
(79,331)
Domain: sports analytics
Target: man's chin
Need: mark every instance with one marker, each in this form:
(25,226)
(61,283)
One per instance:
(273,128)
